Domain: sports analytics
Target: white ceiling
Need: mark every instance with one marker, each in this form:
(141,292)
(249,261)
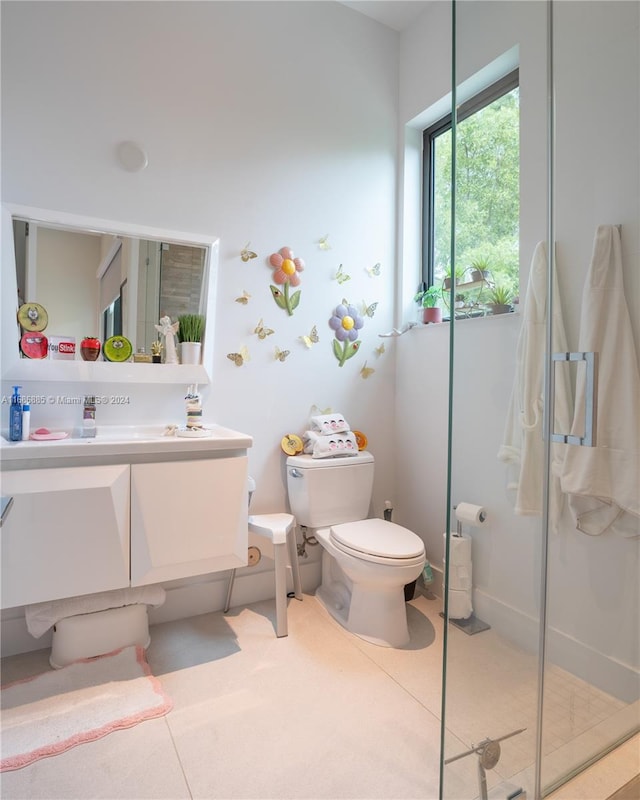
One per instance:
(396,14)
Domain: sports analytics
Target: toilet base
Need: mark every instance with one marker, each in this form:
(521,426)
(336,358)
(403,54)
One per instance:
(98,633)
(360,619)
(366,597)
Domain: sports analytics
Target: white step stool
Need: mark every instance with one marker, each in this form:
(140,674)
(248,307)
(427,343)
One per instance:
(280,530)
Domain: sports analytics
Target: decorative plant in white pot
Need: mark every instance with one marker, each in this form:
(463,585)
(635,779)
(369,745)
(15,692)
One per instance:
(190,330)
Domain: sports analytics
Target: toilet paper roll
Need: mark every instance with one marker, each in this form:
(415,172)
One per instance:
(460,576)
(460,605)
(472,515)
(459,549)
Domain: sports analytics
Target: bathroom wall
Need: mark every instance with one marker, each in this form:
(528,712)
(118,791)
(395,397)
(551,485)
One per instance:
(593,582)
(269,123)
(276,124)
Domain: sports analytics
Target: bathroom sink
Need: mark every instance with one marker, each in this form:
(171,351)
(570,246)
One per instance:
(126,433)
(123,441)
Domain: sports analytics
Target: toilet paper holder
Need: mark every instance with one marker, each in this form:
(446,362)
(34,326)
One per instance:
(469,513)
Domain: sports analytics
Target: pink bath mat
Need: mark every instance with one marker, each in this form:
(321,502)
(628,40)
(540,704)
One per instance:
(52,712)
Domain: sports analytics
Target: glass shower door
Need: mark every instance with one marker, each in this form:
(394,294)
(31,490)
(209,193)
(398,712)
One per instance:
(592,647)
(541,678)
(492,661)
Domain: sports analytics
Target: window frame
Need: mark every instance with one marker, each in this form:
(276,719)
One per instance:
(479,101)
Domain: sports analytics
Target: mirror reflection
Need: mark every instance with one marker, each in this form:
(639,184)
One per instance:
(99,284)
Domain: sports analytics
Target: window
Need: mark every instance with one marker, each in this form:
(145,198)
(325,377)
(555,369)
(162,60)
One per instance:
(487,200)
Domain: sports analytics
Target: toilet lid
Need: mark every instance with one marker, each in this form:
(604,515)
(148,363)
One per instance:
(377,537)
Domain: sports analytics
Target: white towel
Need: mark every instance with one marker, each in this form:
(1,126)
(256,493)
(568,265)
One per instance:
(523,445)
(309,438)
(329,424)
(339,444)
(42,616)
(603,482)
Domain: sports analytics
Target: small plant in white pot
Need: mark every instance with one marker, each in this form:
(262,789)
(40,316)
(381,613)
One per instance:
(190,333)
(428,298)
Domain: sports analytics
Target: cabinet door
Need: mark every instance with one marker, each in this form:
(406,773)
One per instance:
(187,518)
(66,534)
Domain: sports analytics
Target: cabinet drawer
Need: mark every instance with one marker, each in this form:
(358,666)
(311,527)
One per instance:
(67,533)
(187,518)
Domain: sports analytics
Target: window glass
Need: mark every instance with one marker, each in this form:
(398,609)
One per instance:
(487,202)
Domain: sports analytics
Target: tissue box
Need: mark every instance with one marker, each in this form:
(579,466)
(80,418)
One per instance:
(62,348)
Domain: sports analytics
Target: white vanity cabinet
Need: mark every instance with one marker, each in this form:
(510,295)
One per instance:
(187,518)
(126,508)
(66,534)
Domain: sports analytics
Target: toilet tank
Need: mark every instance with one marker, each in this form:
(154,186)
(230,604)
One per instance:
(328,491)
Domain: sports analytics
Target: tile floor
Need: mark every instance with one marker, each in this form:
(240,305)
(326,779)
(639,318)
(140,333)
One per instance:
(318,714)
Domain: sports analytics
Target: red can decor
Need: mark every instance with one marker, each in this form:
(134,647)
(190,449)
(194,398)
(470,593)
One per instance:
(90,348)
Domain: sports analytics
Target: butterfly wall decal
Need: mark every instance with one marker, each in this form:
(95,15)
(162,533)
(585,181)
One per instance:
(366,371)
(323,244)
(244,298)
(368,311)
(380,350)
(281,354)
(312,338)
(239,358)
(246,254)
(341,276)
(374,271)
(261,331)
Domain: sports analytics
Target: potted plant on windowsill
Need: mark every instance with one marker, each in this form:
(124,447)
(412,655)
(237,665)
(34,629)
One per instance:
(480,269)
(427,298)
(458,276)
(190,332)
(500,299)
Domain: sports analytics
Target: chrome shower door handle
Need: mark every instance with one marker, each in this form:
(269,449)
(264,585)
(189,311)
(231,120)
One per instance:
(590,400)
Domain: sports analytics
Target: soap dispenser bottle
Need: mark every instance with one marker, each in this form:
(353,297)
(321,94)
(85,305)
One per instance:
(15,416)
(194,409)
(26,422)
(89,417)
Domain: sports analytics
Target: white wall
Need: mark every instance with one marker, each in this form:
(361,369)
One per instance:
(268,122)
(597,182)
(274,123)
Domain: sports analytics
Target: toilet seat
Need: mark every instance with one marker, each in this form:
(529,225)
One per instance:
(378,541)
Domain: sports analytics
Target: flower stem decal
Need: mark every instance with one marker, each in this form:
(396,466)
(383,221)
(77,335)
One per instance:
(286,269)
(345,322)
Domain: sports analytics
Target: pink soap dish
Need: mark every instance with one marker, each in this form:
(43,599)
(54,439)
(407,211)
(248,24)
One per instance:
(45,435)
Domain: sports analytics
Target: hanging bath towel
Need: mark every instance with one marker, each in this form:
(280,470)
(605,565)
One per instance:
(523,444)
(603,482)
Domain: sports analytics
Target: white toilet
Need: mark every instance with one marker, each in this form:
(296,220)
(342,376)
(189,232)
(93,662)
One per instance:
(366,563)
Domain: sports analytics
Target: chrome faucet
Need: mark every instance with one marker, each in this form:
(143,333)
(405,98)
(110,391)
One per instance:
(89,417)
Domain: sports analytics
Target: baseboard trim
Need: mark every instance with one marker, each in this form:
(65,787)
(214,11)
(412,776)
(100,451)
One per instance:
(186,599)
(606,673)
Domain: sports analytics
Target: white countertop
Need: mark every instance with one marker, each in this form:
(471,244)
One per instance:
(122,440)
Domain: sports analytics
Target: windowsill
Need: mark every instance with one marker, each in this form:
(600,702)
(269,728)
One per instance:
(465,320)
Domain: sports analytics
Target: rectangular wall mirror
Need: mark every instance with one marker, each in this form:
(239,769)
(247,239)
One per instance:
(102,278)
